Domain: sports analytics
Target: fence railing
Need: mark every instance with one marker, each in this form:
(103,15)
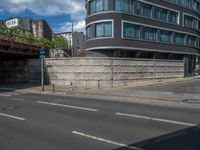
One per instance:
(20,39)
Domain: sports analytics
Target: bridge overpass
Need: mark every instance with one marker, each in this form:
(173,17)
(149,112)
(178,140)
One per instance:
(10,50)
(13,60)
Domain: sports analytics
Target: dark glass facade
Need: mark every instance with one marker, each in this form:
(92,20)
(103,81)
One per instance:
(163,29)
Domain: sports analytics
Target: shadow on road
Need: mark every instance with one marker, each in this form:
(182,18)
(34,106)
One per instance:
(187,139)
(6,88)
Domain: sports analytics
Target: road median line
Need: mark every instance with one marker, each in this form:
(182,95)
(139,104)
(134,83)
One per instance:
(13,117)
(105,140)
(68,106)
(17,99)
(157,119)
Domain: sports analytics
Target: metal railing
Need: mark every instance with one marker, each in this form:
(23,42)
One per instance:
(14,36)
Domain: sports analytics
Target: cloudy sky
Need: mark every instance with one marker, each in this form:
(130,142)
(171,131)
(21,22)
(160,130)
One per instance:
(59,13)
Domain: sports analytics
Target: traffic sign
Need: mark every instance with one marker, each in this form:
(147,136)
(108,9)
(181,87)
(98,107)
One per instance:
(42,52)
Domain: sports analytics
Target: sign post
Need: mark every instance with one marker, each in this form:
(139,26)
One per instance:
(42,56)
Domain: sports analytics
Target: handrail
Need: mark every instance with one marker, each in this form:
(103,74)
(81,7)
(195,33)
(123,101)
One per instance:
(20,39)
(13,34)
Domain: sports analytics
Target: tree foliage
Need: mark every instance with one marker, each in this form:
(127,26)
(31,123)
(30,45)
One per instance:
(59,42)
(8,33)
(45,43)
(17,35)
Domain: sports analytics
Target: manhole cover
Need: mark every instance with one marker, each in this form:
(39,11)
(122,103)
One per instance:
(10,107)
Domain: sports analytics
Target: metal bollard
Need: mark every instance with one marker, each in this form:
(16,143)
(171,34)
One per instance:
(71,87)
(53,88)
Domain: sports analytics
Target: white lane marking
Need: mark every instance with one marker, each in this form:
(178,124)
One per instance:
(157,119)
(14,117)
(106,140)
(8,94)
(5,95)
(17,99)
(68,106)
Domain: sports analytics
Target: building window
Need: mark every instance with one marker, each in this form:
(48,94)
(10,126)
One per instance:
(89,32)
(124,5)
(173,18)
(184,3)
(131,31)
(195,23)
(198,42)
(191,40)
(165,36)
(101,5)
(143,9)
(104,29)
(97,6)
(161,14)
(195,5)
(179,38)
(188,21)
(150,33)
(92,6)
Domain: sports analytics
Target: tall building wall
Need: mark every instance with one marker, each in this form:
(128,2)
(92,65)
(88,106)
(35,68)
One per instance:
(41,28)
(77,41)
(143,28)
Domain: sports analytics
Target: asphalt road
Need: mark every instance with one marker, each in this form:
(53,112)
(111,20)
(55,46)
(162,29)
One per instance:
(42,122)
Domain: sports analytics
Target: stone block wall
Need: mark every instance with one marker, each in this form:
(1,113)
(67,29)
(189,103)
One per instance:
(103,72)
(86,72)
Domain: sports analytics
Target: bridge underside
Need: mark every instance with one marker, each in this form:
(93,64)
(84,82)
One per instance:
(14,50)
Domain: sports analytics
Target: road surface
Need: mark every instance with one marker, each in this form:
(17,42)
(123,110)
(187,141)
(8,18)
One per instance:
(46,122)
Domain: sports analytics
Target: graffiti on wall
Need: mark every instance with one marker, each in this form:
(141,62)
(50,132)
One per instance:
(55,53)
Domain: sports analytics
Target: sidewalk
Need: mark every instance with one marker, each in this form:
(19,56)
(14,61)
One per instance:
(125,94)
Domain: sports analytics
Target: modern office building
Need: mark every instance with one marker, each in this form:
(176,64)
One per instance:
(21,23)
(77,41)
(162,29)
(39,28)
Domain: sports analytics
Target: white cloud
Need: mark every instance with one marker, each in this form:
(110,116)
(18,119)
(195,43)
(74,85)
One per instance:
(74,8)
(67,27)
(42,7)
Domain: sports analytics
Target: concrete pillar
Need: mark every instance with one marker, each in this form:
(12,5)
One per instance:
(186,60)
(111,5)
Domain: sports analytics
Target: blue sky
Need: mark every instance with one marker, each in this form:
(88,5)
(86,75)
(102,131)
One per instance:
(59,13)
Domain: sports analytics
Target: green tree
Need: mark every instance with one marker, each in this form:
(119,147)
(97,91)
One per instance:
(25,37)
(4,32)
(44,42)
(22,37)
(12,33)
(59,42)
(31,38)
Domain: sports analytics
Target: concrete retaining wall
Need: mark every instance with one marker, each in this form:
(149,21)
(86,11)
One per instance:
(104,72)
(87,72)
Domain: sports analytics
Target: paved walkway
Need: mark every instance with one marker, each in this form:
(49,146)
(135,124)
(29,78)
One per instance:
(184,91)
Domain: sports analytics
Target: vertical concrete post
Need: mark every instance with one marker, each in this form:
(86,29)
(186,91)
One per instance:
(71,87)
(111,64)
(98,84)
(42,73)
(53,88)
(154,68)
(28,72)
